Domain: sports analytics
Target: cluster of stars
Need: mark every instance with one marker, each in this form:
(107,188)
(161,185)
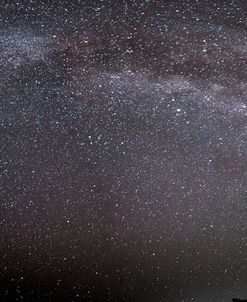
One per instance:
(123,151)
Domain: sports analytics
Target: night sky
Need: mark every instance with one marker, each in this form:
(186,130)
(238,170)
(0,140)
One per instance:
(123,137)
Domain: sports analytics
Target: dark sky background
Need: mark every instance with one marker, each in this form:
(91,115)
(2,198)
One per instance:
(123,151)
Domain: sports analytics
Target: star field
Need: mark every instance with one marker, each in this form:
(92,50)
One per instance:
(123,150)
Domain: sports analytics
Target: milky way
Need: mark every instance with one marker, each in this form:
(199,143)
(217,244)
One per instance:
(123,150)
